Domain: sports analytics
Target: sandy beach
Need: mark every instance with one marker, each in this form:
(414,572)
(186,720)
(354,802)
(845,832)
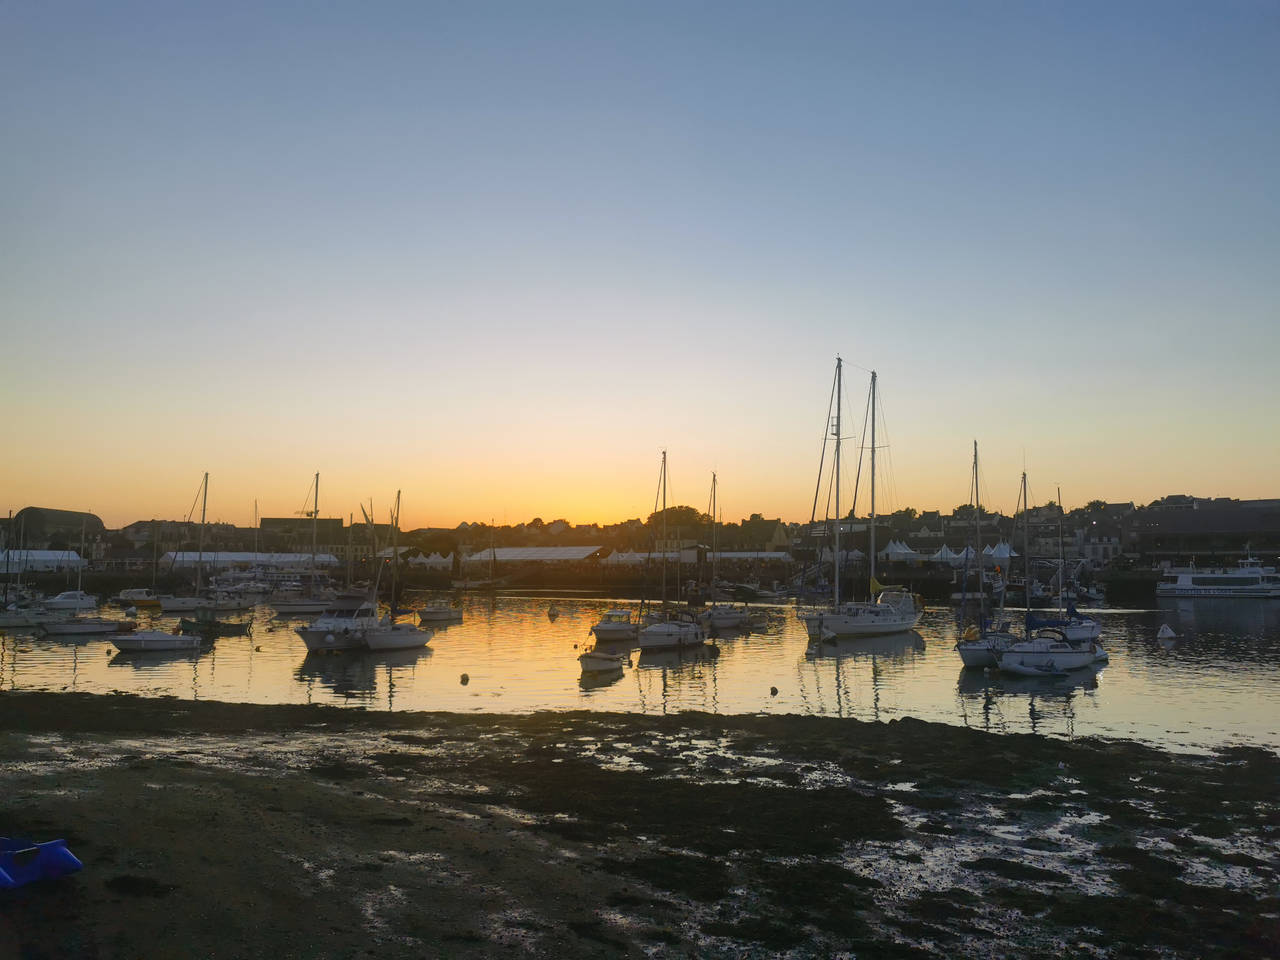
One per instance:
(226,830)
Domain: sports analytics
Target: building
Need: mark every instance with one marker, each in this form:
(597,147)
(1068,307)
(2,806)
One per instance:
(42,527)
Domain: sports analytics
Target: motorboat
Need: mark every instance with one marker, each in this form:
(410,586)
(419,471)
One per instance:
(72,600)
(206,625)
(616,624)
(678,630)
(340,629)
(143,640)
(1248,579)
(726,616)
(219,603)
(439,613)
(137,597)
(299,605)
(86,627)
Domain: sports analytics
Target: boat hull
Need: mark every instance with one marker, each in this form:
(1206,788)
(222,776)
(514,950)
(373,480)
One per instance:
(402,636)
(669,636)
(144,640)
(86,628)
(615,631)
(596,662)
(1046,658)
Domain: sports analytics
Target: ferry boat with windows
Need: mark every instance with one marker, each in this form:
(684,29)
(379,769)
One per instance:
(1249,579)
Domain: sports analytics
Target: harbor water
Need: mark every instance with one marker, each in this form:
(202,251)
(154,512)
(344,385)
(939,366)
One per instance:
(1218,683)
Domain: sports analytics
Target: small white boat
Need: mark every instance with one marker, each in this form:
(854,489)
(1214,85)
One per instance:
(680,631)
(893,611)
(295,606)
(86,627)
(439,612)
(616,625)
(727,616)
(395,636)
(141,640)
(137,597)
(598,661)
(28,617)
(72,600)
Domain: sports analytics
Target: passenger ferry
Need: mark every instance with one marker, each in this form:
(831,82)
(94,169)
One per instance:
(1248,579)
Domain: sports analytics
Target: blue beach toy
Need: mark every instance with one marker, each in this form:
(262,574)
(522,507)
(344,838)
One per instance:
(24,861)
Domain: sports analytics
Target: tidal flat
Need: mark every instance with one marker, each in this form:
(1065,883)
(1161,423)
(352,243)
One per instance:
(236,830)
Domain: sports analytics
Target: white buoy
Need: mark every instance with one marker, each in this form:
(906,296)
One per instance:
(1166,633)
(131,612)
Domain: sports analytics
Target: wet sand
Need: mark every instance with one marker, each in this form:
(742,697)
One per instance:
(227,830)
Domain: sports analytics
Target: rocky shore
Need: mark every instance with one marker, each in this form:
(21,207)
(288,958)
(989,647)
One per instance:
(227,830)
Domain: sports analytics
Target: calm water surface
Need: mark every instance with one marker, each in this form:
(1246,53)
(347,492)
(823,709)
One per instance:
(1218,684)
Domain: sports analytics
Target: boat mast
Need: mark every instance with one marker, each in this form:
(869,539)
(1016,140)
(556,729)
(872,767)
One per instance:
(1026,543)
(871,585)
(204,503)
(395,556)
(1062,560)
(663,484)
(977,538)
(315,521)
(836,594)
(715,559)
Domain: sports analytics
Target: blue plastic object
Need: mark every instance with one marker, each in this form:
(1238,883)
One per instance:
(24,861)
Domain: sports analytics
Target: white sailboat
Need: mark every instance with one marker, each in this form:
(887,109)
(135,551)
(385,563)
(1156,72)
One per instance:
(721,616)
(218,602)
(614,625)
(980,646)
(672,629)
(892,610)
(388,634)
(78,626)
(289,603)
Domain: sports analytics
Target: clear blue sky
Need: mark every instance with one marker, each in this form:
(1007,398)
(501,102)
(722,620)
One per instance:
(500,254)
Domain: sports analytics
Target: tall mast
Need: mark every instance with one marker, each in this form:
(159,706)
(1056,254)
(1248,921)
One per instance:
(395,556)
(839,518)
(315,521)
(1026,543)
(871,585)
(1062,560)
(665,544)
(715,559)
(204,503)
(977,536)
(255,531)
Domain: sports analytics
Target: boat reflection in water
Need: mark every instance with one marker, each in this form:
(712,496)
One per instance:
(353,675)
(895,646)
(834,661)
(597,679)
(670,680)
(151,659)
(1048,699)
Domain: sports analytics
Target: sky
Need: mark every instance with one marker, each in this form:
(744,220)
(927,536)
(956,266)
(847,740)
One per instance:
(499,256)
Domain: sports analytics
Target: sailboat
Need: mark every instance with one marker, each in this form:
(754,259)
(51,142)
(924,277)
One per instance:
(721,616)
(670,629)
(1075,627)
(387,634)
(219,602)
(892,610)
(980,646)
(289,603)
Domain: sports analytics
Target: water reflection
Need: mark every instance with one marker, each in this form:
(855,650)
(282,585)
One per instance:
(595,679)
(1216,685)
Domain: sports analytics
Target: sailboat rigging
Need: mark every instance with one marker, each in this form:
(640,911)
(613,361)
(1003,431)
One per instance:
(890,610)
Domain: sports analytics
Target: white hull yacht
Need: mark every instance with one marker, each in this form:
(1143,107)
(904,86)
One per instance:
(72,600)
(615,625)
(1249,580)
